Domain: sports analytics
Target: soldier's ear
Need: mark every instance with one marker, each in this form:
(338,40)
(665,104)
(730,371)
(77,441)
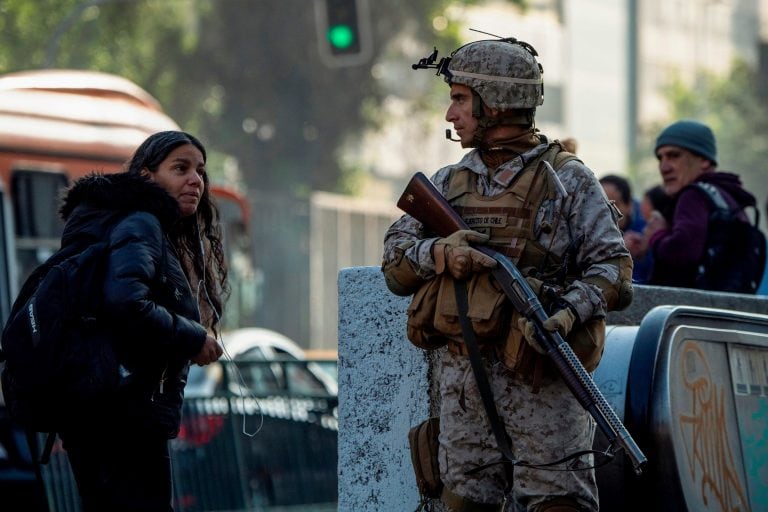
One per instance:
(145,173)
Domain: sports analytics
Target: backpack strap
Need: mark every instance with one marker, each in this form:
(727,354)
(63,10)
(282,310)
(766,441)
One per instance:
(714,195)
(717,200)
(45,455)
(37,462)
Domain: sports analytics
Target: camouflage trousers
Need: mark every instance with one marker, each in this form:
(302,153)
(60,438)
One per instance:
(543,427)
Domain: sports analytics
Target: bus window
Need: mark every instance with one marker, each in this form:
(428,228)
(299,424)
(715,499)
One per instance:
(36,212)
(7,279)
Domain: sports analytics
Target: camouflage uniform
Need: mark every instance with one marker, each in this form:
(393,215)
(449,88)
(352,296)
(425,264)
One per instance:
(543,427)
(534,421)
(561,230)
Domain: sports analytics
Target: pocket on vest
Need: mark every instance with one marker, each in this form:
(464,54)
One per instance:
(420,327)
(488,309)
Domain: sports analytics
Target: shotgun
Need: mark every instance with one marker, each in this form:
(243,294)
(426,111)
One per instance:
(422,201)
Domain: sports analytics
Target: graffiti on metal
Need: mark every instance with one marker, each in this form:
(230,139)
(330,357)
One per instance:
(705,431)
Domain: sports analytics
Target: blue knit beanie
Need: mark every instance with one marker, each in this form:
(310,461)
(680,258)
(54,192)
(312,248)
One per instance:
(691,135)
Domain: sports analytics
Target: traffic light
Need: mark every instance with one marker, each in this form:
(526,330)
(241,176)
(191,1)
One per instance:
(343,31)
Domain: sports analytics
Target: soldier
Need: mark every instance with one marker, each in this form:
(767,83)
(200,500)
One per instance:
(560,230)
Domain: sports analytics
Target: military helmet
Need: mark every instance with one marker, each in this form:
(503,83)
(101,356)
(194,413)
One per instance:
(503,72)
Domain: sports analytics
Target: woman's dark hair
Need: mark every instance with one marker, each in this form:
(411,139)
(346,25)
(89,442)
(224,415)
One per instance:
(660,201)
(188,233)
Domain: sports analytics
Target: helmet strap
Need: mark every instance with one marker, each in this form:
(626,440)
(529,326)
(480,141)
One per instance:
(478,112)
(523,117)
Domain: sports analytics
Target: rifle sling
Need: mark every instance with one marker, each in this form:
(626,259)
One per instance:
(486,395)
(483,386)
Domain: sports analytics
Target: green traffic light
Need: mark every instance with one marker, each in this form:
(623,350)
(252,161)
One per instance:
(341,36)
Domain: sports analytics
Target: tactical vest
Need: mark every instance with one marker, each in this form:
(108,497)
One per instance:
(508,219)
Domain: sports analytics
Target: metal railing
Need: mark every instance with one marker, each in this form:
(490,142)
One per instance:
(241,451)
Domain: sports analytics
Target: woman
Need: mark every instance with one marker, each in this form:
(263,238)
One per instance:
(163,293)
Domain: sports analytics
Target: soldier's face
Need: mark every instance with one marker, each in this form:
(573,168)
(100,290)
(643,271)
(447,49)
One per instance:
(679,167)
(460,114)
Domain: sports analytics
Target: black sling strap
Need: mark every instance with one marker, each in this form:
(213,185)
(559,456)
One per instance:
(497,426)
(484,387)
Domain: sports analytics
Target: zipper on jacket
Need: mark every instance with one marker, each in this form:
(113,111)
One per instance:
(161,387)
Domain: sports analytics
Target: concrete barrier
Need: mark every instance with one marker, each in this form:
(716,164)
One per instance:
(386,384)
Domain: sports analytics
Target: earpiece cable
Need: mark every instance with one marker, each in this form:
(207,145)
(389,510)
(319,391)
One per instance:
(243,390)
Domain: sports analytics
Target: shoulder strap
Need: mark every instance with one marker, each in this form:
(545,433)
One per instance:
(556,155)
(716,199)
(713,194)
(562,158)
(45,455)
(460,181)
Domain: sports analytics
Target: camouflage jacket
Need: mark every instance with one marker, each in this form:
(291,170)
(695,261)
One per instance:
(586,218)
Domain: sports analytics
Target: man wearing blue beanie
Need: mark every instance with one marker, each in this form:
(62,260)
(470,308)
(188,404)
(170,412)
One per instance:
(683,248)
(694,136)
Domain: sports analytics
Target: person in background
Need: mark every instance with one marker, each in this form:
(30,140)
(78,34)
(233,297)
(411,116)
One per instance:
(687,157)
(570,144)
(561,231)
(163,294)
(631,222)
(654,202)
(619,192)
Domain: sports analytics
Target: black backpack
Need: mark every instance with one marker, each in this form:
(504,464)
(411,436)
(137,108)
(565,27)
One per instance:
(59,361)
(734,259)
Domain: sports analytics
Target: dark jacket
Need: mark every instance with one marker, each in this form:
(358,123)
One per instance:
(148,302)
(678,250)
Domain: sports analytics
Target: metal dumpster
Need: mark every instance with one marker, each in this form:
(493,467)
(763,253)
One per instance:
(691,385)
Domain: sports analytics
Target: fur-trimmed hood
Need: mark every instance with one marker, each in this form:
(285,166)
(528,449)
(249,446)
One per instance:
(95,200)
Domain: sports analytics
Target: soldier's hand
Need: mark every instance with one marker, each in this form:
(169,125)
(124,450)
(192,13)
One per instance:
(535,284)
(562,322)
(454,254)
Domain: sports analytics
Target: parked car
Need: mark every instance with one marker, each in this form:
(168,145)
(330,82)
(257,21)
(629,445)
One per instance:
(259,429)
(327,360)
(287,373)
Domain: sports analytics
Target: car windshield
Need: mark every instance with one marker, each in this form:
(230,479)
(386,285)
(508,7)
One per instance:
(276,377)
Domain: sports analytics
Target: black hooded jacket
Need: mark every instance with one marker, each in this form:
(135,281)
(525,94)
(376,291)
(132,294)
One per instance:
(147,298)
(678,251)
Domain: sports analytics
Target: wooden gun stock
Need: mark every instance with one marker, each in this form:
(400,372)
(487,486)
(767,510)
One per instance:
(422,201)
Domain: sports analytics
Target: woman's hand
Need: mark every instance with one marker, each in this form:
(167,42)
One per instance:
(655,223)
(636,243)
(210,352)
